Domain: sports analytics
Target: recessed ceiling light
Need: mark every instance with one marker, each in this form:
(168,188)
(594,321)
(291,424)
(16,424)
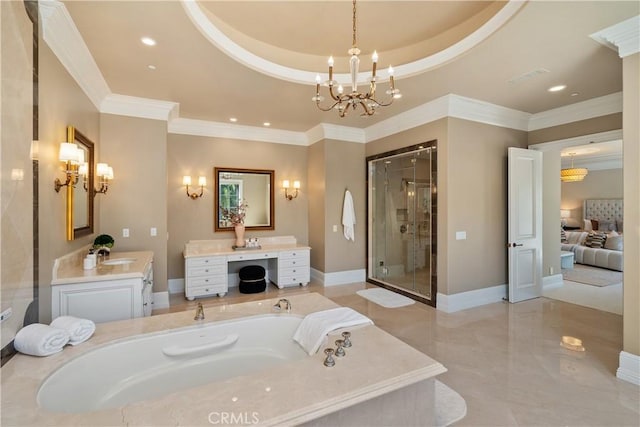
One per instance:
(267,124)
(148,41)
(233,119)
(151,67)
(557,88)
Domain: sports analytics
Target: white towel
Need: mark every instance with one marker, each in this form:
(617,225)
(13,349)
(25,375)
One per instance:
(79,330)
(315,326)
(40,340)
(348,217)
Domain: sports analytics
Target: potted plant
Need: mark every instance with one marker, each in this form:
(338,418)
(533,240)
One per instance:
(103,244)
(235,217)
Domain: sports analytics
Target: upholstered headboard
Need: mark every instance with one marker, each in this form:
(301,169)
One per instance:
(606,209)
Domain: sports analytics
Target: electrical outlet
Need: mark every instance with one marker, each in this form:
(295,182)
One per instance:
(335,228)
(6,314)
(154,231)
(125,232)
(550,270)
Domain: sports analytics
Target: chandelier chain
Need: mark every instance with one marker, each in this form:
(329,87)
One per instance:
(354,24)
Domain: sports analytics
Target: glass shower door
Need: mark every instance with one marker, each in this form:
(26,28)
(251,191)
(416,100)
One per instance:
(401,218)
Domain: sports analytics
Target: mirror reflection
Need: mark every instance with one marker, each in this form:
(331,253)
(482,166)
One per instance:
(82,199)
(254,187)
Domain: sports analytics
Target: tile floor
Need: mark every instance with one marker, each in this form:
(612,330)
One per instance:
(504,359)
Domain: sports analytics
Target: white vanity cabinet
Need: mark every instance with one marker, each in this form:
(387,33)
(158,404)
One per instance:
(291,269)
(105,294)
(205,276)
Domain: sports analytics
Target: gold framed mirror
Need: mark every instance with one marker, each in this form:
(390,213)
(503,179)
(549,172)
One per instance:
(254,187)
(80,196)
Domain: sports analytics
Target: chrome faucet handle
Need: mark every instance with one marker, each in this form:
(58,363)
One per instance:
(346,337)
(199,312)
(340,350)
(329,359)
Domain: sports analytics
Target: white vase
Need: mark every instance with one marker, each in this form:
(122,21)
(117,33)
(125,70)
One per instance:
(239,228)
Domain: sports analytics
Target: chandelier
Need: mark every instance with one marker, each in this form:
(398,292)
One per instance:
(341,100)
(573,174)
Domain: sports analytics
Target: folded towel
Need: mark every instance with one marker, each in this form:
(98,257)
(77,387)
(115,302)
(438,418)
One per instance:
(37,339)
(315,326)
(79,330)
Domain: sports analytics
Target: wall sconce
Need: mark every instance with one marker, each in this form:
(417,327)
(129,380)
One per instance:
(286,186)
(104,172)
(202,181)
(73,157)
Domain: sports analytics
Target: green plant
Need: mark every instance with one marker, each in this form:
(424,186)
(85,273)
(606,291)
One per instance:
(103,240)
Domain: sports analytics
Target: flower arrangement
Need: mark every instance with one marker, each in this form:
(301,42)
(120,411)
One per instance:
(235,216)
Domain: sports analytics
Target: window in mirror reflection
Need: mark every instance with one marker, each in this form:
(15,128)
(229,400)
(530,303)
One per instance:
(230,197)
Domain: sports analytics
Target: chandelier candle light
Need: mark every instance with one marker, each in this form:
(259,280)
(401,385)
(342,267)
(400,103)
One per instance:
(368,101)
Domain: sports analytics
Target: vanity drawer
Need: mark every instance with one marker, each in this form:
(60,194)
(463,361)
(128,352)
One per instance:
(294,279)
(207,270)
(206,290)
(249,256)
(220,279)
(292,262)
(294,254)
(203,262)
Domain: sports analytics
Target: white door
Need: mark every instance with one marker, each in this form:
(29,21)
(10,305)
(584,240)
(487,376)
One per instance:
(525,224)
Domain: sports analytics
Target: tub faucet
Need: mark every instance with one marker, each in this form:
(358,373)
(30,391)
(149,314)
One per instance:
(278,305)
(199,312)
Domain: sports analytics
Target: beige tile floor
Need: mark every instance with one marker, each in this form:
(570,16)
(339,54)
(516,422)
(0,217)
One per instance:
(504,359)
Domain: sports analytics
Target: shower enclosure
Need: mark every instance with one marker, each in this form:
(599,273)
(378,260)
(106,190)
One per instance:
(402,221)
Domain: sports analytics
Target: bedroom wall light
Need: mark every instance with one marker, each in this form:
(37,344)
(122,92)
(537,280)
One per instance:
(72,156)
(202,181)
(286,185)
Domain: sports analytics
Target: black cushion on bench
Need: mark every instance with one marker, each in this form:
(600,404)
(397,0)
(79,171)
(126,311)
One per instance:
(252,279)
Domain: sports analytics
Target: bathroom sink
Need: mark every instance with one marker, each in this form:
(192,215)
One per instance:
(118,261)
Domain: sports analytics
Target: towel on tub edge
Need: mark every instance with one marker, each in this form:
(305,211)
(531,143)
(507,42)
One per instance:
(79,330)
(37,339)
(315,326)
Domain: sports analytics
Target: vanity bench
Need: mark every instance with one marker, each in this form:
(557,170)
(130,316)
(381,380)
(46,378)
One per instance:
(210,266)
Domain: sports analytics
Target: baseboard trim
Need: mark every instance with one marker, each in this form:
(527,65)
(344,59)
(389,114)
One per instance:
(470,299)
(176,286)
(629,369)
(338,277)
(552,281)
(160,300)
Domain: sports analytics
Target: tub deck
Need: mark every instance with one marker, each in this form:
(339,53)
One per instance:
(302,391)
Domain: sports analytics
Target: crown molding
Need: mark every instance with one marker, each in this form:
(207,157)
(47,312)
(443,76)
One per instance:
(611,161)
(225,130)
(484,112)
(257,63)
(62,36)
(596,107)
(139,107)
(623,37)
(337,132)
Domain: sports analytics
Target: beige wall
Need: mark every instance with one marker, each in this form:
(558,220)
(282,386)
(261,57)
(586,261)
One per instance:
(316,177)
(345,169)
(16,196)
(193,219)
(137,199)
(477,201)
(62,103)
(598,184)
(631,147)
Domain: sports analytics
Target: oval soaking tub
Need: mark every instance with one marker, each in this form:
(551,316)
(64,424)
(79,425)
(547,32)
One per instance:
(153,365)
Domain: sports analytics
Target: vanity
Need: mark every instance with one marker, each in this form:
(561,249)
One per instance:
(211,265)
(119,288)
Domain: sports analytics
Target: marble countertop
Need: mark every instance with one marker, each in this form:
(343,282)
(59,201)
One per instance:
(68,270)
(288,394)
(199,248)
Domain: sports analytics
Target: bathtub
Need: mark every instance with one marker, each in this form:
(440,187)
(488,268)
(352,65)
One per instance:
(153,365)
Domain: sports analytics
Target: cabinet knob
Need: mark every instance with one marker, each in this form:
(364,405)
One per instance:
(294,263)
(144,304)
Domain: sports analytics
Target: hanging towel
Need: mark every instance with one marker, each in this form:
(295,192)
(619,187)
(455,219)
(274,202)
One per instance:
(37,339)
(79,330)
(315,326)
(348,217)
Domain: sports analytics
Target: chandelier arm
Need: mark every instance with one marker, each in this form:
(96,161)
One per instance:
(333,96)
(383,104)
(331,107)
(366,109)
